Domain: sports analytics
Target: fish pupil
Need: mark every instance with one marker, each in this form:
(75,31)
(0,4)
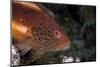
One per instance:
(57,34)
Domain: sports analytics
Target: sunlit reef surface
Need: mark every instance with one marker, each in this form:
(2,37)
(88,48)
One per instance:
(79,22)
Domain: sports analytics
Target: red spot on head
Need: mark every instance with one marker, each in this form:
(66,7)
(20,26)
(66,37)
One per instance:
(57,34)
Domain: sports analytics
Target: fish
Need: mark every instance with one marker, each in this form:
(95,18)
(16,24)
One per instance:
(34,28)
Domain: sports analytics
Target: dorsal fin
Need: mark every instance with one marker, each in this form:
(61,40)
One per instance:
(30,5)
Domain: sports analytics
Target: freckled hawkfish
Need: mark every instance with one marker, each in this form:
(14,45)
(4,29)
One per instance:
(34,28)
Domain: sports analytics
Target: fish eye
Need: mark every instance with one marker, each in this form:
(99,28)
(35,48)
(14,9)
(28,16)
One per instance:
(57,34)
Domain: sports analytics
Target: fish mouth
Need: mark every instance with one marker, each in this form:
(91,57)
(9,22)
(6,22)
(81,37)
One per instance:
(63,47)
(67,46)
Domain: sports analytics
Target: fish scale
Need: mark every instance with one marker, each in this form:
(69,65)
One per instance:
(44,39)
(36,29)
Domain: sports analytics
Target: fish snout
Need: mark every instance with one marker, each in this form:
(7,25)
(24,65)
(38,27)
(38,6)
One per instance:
(63,47)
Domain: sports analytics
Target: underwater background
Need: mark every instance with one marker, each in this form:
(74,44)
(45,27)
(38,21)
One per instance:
(79,23)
